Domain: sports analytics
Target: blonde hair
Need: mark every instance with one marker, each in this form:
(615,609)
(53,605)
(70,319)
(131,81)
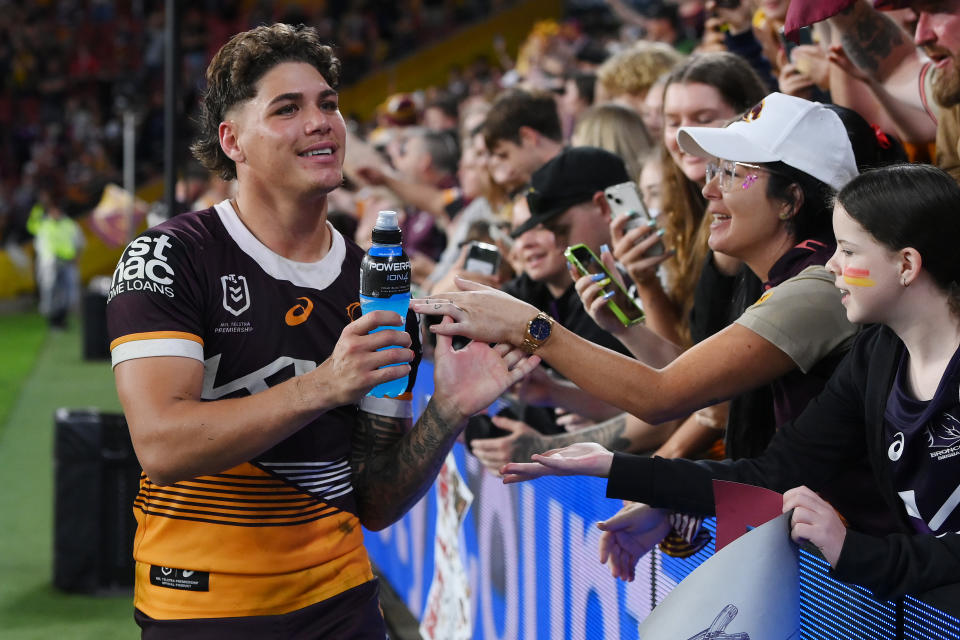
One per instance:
(635,70)
(617,129)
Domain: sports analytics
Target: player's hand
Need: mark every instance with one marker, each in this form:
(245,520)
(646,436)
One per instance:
(468,380)
(354,367)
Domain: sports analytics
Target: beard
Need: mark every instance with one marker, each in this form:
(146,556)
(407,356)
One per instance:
(946,84)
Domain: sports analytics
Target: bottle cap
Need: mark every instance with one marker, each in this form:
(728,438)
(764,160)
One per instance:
(387,228)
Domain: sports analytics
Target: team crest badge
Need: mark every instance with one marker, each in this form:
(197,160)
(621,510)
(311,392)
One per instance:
(754,113)
(236,294)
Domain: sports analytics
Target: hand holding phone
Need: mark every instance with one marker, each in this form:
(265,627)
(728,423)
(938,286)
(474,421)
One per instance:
(625,199)
(620,303)
(482,258)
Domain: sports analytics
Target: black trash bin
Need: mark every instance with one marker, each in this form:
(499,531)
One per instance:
(96,478)
(96,346)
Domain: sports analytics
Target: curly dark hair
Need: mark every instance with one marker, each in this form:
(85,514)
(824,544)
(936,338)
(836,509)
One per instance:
(238,66)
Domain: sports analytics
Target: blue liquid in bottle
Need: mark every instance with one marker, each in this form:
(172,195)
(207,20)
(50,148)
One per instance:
(385,285)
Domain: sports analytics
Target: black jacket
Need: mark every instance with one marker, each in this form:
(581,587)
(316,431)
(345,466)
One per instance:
(844,423)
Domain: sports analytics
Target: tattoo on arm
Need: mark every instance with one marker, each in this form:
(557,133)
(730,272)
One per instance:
(608,433)
(394,466)
(871,39)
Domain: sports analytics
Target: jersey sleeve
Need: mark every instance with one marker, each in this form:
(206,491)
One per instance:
(154,304)
(802,317)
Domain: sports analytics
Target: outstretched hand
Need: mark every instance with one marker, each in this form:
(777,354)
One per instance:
(628,535)
(521,441)
(580,459)
(468,380)
(478,312)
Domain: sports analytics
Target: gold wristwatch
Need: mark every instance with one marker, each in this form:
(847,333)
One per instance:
(538,331)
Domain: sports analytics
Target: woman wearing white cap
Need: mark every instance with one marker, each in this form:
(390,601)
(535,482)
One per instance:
(807,156)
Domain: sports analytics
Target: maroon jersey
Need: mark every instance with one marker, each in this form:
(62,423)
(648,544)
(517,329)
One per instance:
(280,532)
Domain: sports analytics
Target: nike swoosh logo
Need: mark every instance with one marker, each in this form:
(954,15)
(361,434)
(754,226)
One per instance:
(299,313)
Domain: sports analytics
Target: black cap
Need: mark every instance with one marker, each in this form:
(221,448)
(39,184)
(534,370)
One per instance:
(569,179)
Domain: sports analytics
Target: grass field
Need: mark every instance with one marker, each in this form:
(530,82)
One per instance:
(40,372)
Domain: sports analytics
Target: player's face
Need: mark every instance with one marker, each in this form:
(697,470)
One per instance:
(291,135)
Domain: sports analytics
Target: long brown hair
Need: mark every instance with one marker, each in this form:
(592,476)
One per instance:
(686,228)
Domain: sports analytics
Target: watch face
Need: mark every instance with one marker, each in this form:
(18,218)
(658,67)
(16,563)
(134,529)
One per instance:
(540,329)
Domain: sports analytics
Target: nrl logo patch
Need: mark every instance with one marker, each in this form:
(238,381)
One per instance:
(236,294)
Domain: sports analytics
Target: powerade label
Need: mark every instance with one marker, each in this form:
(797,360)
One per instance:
(383,276)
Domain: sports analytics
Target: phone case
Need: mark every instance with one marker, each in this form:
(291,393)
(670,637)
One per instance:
(622,304)
(624,199)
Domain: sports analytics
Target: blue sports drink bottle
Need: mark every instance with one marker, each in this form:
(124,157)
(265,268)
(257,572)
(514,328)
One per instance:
(385,284)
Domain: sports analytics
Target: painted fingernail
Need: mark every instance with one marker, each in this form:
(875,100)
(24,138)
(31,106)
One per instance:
(660,232)
(604,248)
(597,277)
(604,282)
(608,295)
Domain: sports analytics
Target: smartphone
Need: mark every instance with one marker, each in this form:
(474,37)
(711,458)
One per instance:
(625,199)
(804,36)
(622,304)
(482,258)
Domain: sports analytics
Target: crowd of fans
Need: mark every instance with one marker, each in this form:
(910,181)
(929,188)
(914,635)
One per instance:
(521,155)
(70,70)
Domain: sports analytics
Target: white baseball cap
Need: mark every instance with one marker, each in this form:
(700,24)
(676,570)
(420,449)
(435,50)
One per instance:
(802,134)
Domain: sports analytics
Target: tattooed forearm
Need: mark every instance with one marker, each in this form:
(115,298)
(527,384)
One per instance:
(374,434)
(609,434)
(870,37)
(391,471)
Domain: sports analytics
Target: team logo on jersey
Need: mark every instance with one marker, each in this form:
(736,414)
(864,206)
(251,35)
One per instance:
(943,436)
(299,313)
(353,311)
(236,294)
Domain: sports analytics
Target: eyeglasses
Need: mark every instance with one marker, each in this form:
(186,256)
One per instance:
(726,171)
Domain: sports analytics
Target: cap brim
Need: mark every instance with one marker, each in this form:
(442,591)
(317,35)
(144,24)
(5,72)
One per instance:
(725,143)
(526,226)
(559,207)
(540,218)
